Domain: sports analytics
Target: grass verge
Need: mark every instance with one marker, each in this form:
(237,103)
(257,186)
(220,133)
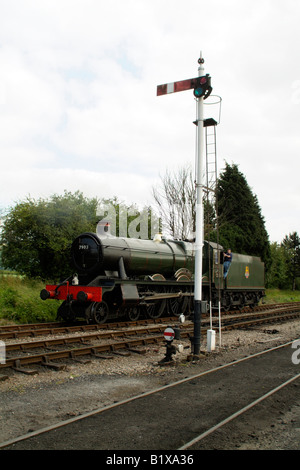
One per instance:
(20,301)
(274,296)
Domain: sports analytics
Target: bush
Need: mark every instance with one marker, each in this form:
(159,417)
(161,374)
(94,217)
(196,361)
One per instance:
(279,296)
(20,301)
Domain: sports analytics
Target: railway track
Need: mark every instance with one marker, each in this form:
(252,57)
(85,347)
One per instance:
(54,328)
(81,342)
(160,418)
(40,329)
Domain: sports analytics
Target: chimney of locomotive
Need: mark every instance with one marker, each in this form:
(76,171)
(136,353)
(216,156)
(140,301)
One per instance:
(103,229)
(157,237)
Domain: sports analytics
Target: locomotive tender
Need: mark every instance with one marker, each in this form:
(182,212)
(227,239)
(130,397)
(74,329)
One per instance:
(117,277)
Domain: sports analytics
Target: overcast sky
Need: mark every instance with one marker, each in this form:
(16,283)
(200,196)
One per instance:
(78,104)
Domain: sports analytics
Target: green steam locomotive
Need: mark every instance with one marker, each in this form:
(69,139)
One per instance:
(126,277)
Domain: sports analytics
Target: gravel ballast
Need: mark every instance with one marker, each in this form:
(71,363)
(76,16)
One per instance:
(29,403)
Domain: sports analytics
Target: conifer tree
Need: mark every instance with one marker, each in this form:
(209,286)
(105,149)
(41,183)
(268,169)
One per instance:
(291,245)
(241,224)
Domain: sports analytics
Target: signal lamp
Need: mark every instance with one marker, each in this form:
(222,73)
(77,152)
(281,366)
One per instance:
(203,87)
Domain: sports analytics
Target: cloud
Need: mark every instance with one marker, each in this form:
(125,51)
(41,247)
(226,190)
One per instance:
(78,105)
(27,183)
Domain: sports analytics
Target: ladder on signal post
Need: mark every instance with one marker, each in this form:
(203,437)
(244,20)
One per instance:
(211,186)
(211,159)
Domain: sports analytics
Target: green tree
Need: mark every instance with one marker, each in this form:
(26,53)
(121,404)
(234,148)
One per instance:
(291,245)
(37,235)
(241,224)
(277,275)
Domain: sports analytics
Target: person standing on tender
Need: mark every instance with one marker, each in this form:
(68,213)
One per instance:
(227,262)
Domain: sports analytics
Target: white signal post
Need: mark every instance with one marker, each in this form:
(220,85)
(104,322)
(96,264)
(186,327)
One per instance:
(199,220)
(203,88)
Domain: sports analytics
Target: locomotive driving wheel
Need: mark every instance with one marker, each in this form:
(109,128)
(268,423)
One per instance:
(156,307)
(99,312)
(178,305)
(133,313)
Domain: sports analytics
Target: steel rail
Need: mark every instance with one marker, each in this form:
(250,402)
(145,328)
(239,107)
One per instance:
(140,396)
(45,358)
(39,329)
(237,414)
(22,346)
(27,331)
(247,320)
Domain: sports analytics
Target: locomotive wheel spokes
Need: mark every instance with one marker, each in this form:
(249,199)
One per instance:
(133,313)
(156,308)
(178,305)
(254,302)
(100,312)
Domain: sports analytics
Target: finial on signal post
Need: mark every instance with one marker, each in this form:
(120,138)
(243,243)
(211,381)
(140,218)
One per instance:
(200,60)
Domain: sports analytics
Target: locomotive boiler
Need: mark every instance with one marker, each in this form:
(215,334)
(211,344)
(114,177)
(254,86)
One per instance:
(127,277)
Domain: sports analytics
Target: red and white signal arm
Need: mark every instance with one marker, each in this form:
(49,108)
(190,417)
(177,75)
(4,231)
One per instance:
(176,86)
(169,334)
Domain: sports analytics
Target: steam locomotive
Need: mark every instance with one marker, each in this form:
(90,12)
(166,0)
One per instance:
(126,277)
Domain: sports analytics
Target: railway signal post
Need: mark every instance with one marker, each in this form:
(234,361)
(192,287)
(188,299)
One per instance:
(202,89)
